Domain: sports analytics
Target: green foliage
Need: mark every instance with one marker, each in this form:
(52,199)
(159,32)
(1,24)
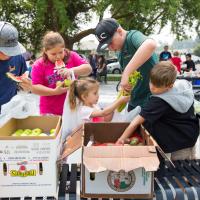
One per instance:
(34,17)
(197,50)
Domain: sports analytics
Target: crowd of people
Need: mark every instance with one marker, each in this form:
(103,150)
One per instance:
(177,61)
(165,109)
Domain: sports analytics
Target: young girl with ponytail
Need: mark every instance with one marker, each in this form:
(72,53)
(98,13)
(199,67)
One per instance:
(81,105)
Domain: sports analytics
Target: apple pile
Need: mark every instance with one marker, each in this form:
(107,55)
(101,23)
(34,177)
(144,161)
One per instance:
(34,132)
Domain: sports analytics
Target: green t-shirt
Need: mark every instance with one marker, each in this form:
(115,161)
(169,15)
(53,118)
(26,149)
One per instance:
(141,92)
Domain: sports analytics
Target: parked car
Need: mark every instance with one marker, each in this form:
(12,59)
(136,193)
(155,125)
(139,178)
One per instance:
(113,66)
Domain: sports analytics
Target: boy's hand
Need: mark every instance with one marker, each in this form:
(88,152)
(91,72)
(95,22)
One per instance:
(121,141)
(125,83)
(124,99)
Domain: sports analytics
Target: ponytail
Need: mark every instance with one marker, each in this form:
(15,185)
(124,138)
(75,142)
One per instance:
(72,95)
(79,87)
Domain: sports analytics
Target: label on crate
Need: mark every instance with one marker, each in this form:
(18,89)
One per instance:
(22,169)
(121,181)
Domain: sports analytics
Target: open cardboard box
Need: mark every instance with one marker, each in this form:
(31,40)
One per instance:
(114,171)
(28,164)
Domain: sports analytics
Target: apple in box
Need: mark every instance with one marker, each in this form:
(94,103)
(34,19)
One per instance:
(36,132)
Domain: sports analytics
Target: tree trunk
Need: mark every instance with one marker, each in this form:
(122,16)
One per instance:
(69,41)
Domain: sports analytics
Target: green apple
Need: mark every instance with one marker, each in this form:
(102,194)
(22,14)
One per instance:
(134,141)
(27,131)
(34,134)
(67,82)
(43,134)
(24,134)
(18,132)
(52,131)
(36,131)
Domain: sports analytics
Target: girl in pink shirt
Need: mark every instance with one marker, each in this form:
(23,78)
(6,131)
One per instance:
(44,76)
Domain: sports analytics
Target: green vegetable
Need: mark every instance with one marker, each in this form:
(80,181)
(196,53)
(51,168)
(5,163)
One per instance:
(134,141)
(133,79)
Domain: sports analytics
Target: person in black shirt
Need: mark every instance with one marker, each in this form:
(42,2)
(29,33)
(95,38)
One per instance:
(189,63)
(165,55)
(169,114)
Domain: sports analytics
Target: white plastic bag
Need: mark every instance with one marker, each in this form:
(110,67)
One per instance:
(196,106)
(126,116)
(20,106)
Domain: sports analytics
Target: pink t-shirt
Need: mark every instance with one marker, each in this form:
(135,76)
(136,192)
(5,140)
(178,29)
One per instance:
(43,73)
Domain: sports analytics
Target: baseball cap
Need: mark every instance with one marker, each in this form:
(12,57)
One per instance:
(9,44)
(104,32)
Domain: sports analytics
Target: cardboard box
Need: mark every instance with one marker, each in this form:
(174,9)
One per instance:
(28,163)
(114,171)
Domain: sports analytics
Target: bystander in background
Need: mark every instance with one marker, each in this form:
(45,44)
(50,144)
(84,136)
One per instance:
(101,68)
(176,60)
(165,55)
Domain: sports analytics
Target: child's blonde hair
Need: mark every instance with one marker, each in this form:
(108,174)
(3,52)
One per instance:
(79,88)
(176,53)
(50,40)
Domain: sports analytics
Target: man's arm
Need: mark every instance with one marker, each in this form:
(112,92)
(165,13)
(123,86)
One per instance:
(143,53)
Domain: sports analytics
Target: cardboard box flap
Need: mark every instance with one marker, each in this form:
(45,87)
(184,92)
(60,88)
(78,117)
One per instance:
(116,158)
(73,142)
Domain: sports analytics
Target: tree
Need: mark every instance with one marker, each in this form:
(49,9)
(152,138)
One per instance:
(34,17)
(197,50)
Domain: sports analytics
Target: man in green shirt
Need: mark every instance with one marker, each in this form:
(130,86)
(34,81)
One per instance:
(136,52)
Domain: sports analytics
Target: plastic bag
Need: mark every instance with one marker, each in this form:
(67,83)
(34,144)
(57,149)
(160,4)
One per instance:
(20,106)
(196,106)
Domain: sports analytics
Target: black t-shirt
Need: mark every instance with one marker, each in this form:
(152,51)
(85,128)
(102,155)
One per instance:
(190,65)
(171,130)
(165,55)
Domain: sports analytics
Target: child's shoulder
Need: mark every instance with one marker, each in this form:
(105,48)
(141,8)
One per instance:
(39,61)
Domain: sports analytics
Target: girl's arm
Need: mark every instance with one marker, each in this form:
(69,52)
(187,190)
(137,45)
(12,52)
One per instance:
(45,91)
(130,129)
(82,70)
(111,108)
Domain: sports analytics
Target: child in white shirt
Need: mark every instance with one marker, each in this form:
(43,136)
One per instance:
(81,106)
